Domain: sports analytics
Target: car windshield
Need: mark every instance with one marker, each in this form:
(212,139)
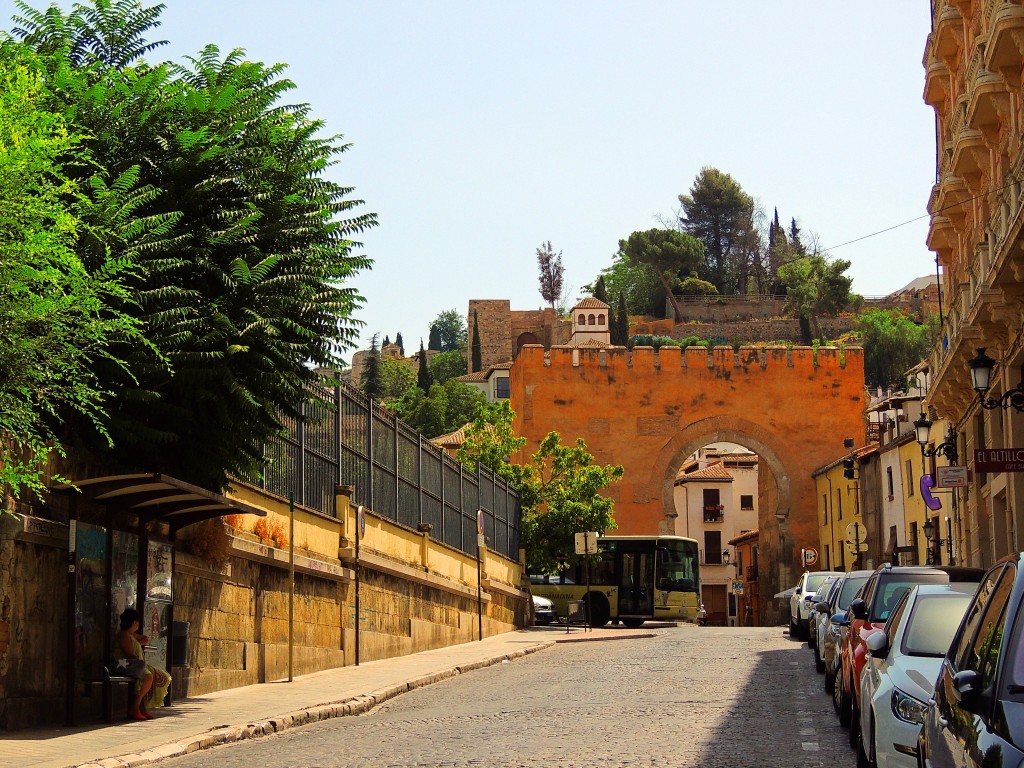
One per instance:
(933,622)
(850,588)
(890,591)
(814,581)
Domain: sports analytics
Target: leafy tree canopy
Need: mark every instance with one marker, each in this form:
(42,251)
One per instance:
(491,441)
(447,365)
(893,344)
(638,283)
(451,331)
(560,496)
(396,377)
(444,409)
(817,286)
(667,252)
(214,188)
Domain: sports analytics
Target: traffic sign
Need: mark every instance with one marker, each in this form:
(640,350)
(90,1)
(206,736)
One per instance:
(586,543)
(951,477)
(810,555)
(853,549)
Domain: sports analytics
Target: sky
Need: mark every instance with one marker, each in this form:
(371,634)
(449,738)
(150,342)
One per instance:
(481,129)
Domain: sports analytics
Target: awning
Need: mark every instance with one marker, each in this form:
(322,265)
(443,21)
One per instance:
(152,496)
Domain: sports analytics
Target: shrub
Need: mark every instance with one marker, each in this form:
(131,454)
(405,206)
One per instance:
(209,541)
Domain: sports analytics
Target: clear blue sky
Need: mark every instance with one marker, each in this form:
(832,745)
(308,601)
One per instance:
(482,129)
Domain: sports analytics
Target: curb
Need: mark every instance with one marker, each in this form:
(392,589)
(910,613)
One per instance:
(356,705)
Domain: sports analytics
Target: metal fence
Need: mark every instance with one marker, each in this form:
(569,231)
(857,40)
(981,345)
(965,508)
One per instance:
(349,439)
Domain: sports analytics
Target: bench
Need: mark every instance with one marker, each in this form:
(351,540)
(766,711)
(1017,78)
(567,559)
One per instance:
(111,677)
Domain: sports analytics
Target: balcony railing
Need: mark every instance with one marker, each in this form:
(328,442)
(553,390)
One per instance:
(713,513)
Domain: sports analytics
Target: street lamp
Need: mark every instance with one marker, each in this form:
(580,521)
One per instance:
(931,534)
(726,556)
(946,448)
(981,377)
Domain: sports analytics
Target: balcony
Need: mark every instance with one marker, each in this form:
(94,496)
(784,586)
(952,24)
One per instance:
(713,513)
(988,106)
(1005,44)
(949,29)
(936,82)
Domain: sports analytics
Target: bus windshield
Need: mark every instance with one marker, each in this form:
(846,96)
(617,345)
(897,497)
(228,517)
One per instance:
(677,566)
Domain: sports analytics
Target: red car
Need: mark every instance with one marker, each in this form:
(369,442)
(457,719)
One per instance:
(867,615)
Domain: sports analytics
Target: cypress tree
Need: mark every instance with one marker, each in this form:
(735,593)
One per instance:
(600,292)
(423,377)
(434,340)
(477,362)
(387,340)
(370,380)
(621,323)
(401,344)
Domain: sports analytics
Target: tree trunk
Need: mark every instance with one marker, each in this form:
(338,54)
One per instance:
(677,310)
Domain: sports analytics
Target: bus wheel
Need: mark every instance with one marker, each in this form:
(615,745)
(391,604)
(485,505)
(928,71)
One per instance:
(633,623)
(597,609)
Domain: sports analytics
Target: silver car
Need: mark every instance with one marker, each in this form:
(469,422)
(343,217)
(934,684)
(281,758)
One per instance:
(799,608)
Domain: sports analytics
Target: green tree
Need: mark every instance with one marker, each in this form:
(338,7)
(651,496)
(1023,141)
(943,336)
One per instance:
(451,331)
(56,315)
(423,377)
(243,286)
(560,496)
(816,286)
(434,340)
(371,378)
(644,291)
(447,365)
(721,215)
(668,253)
(475,351)
(400,343)
(893,344)
(491,441)
(620,335)
(552,273)
(600,292)
(444,409)
(396,377)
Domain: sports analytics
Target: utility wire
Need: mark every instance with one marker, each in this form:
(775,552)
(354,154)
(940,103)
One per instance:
(918,218)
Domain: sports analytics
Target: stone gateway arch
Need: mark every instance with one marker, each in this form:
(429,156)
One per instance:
(649,410)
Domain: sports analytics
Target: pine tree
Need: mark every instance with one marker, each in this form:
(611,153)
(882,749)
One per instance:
(400,343)
(370,380)
(476,351)
(600,292)
(423,377)
(434,340)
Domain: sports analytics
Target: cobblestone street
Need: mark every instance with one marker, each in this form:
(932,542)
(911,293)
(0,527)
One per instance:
(716,697)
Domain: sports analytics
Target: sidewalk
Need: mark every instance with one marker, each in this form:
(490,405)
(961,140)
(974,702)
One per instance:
(257,710)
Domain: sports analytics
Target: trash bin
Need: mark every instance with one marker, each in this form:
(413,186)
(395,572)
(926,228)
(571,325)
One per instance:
(179,644)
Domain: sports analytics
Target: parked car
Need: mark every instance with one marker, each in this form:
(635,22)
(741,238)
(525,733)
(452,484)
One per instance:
(867,615)
(831,633)
(799,610)
(816,621)
(543,610)
(899,673)
(976,715)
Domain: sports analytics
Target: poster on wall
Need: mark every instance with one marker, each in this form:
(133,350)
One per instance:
(158,572)
(156,621)
(90,596)
(124,575)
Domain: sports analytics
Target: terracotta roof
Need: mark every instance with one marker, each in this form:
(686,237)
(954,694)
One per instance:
(713,473)
(501,367)
(743,537)
(479,377)
(591,343)
(456,438)
(589,302)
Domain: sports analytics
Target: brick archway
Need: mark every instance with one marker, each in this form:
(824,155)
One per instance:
(649,410)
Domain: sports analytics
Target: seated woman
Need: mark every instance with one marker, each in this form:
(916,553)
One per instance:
(153,682)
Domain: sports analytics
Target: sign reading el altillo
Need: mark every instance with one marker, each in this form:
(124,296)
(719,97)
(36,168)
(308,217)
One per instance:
(999,460)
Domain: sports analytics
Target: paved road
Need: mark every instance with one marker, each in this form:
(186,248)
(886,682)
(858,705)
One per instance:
(710,697)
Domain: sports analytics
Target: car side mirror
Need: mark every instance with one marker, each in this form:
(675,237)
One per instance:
(859,609)
(967,688)
(823,607)
(840,620)
(878,645)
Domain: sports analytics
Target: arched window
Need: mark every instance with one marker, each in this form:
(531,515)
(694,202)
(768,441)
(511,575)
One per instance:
(600,319)
(590,320)
(582,320)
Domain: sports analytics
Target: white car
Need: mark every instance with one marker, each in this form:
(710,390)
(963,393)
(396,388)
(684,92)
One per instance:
(799,608)
(903,662)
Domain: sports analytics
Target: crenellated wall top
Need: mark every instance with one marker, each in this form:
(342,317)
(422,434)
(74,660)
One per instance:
(668,358)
